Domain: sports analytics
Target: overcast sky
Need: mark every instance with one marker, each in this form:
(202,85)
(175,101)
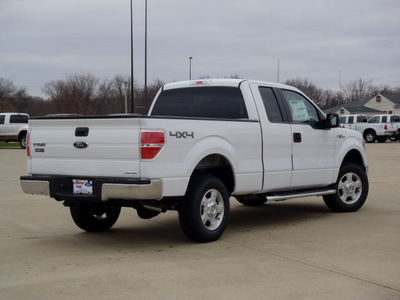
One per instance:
(44,40)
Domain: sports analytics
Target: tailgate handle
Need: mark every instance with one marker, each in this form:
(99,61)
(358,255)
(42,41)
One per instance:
(82,131)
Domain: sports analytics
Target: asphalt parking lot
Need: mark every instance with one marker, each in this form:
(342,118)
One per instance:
(295,249)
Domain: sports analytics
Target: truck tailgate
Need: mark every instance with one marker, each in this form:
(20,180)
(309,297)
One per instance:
(85,146)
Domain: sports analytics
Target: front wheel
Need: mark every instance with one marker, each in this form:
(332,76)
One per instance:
(94,217)
(351,189)
(204,211)
(381,139)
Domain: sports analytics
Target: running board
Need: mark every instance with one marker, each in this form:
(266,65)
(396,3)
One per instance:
(299,194)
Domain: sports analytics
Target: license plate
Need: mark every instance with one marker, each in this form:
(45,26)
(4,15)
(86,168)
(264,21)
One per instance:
(82,186)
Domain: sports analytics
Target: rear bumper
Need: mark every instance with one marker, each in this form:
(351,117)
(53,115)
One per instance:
(391,133)
(104,189)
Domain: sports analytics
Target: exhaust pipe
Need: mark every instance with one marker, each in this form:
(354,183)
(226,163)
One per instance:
(157,208)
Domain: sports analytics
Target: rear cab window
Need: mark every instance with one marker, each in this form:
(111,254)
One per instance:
(19,119)
(201,102)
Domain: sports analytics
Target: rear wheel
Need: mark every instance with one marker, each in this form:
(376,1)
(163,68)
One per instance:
(204,212)
(351,189)
(22,141)
(94,217)
(370,137)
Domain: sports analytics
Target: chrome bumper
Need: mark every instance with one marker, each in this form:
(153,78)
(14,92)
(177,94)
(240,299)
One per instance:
(105,188)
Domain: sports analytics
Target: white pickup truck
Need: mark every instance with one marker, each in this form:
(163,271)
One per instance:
(392,127)
(13,127)
(201,142)
(377,128)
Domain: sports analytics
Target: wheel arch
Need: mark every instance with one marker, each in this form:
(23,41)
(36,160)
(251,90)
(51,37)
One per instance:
(354,156)
(219,166)
(21,133)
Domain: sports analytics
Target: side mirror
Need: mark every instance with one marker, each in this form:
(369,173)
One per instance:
(331,121)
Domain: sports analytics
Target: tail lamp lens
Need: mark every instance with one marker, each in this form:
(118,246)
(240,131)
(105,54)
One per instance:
(151,143)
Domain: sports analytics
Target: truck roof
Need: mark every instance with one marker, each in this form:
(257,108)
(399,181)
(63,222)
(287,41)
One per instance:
(229,82)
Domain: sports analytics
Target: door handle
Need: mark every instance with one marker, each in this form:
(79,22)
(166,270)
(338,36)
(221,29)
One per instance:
(297,137)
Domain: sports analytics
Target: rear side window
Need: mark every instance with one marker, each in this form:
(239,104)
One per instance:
(271,105)
(201,102)
(395,119)
(351,119)
(18,119)
(2,118)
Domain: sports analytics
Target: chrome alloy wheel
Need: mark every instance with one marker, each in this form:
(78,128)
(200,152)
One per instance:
(212,209)
(350,188)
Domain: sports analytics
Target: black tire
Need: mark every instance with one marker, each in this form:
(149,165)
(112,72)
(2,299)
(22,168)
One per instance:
(394,138)
(94,217)
(204,212)
(381,139)
(351,189)
(22,141)
(370,136)
(253,200)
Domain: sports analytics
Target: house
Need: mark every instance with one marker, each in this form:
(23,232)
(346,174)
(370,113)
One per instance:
(379,104)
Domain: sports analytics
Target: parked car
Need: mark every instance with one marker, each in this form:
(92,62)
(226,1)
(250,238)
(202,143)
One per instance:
(13,127)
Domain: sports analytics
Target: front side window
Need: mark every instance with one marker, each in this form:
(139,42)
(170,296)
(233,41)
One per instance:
(361,119)
(374,120)
(301,110)
(351,119)
(2,118)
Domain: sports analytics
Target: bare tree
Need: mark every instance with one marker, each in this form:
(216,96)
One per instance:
(357,90)
(76,94)
(12,98)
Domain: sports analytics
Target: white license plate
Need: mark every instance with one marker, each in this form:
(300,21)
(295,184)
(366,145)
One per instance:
(82,186)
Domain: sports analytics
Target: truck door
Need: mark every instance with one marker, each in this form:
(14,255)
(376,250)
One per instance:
(313,146)
(351,123)
(276,139)
(3,128)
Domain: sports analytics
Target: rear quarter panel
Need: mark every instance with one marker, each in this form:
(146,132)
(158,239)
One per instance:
(188,141)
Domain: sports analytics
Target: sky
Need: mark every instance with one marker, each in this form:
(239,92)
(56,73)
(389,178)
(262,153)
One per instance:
(329,42)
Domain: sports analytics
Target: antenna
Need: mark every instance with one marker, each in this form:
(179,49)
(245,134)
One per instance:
(277,77)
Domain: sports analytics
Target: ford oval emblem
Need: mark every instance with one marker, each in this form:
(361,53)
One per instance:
(81,145)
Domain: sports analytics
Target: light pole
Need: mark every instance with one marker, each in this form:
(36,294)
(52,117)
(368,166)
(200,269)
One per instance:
(145,55)
(132,94)
(190,68)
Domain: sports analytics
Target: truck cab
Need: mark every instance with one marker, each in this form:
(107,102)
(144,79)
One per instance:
(13,127)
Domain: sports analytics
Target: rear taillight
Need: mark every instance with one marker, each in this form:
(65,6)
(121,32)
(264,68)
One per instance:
(28,150)
(385,126)
(151,143)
